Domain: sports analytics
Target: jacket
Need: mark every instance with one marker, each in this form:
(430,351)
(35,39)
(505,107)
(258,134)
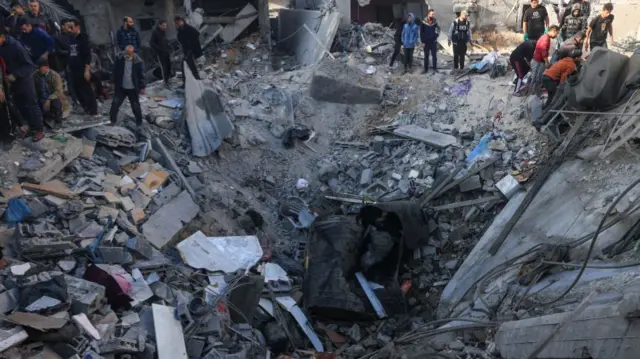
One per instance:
(159,42)
(542,48)
(37,42)
(137,73)
(189,39)
(11,24)
(43,21)
(573,24)
(410,34)
(54,86)
(16,59)
(79,52)
(397,36)
(459,31)
(568,46)
(128,37)
(429,31)
(561,70)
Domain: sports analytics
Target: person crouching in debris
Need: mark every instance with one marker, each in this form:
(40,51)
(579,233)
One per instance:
(397,39)
(37,42)
(10,119)
(80,68)
(189,39)
(50,92)
(600,27)
(19,71)
(429,32)
(409,40)
(574,43)
(128,82)
(558,73)
(540,59)
(460,36)
(520,60)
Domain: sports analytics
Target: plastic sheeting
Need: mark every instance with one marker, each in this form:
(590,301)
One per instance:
(226,254)
(599,83)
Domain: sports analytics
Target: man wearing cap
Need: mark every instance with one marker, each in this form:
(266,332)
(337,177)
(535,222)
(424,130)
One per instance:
(50,92)
(535,21)
(128,35)
(460,36)
(19,69)
(37,42)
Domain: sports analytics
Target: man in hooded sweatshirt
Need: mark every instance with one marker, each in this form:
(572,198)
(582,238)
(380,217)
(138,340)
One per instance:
(573,23)
(460,36)
(409,40)
(429,32)
(397,38)
(37,42)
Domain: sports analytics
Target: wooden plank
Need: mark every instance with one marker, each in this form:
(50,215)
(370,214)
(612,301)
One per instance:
(54,188)
(169,336)
(431,138)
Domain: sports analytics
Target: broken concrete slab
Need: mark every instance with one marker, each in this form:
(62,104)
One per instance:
(207,121)
(337,82)
(112,136)
(243,20)
(431,138)
(169,220)
(168,333)
(64,154)
(308,44)
(470,184)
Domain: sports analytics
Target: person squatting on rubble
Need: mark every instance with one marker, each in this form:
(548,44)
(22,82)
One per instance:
(128,82)
(36,41)
(98,75)
(540,59)
(38,18)
(128,35)
(80,68)
(429,32)
(11,123)
(160,45)
(460,36)
(558,73)
(600,27)
(574,43)
(397,39)
(409,40)
(520,60)
(50,92)
(19,69)
(535,21)
(189,39)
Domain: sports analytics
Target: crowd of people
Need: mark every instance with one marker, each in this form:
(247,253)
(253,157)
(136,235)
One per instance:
(411,32)
(37,57)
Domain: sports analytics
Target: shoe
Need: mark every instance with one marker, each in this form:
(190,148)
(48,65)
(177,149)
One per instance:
(424,72)
(38,136)
(22,131)
(435,71)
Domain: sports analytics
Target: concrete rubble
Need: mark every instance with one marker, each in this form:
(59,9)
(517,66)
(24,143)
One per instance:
(300,205)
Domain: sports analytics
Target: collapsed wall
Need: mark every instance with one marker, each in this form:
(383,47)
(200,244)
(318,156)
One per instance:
(335,81)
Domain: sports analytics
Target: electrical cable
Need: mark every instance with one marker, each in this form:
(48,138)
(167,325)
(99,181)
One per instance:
(592,245)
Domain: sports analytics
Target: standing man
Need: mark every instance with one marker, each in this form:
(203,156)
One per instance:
(520,60)
(189,39)
(12,22)
(35,40)
(540,60)
(397,39)
(160,45)
(409,40)
(576,21)
(128,35)
(19,71)
(38,18)
(80,68)
(429,32)
(128,81)
(460,36)
(535,21)
(600,27)
(50,91)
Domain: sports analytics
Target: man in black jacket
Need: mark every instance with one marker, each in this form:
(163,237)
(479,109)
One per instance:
(397,39)
(20,69)
(160,45)
(80,68)
(189,39)
(128,82)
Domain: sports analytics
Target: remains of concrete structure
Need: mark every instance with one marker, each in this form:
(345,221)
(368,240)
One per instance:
(335,81)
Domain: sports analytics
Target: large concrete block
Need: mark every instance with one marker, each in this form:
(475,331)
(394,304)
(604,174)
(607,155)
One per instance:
(335,81)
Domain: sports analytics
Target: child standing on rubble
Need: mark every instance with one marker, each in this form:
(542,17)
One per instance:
(409,40)
(600,27)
